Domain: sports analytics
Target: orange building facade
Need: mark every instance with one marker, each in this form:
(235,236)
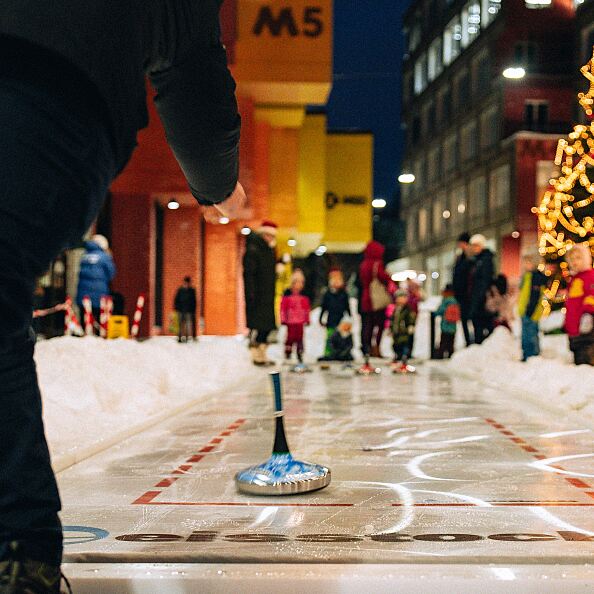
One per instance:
(281,56)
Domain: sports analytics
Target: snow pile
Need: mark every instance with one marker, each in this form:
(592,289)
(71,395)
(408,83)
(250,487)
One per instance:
(96,391)
(551,379)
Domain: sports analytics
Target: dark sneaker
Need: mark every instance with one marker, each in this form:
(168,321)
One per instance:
(27,576)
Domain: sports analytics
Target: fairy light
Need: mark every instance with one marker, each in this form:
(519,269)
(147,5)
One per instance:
(561,216)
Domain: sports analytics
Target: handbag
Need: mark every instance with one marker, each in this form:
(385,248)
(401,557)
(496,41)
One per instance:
(378,294)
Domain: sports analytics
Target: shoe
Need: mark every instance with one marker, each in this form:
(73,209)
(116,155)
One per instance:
(262,358)
(28,576)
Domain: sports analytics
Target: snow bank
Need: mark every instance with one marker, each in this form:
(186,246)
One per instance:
(97,391)
(551,379)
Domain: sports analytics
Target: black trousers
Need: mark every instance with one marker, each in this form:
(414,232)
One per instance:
(446,345)
(56,165)
(257,337)
(464,319)
(187,325)
(483,326)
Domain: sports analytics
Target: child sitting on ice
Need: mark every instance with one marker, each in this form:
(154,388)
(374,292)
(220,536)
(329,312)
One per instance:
(449,312)
(294,311)
(341,343)
(403,327)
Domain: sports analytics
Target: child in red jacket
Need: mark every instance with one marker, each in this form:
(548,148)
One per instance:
(295,309)
(579,322)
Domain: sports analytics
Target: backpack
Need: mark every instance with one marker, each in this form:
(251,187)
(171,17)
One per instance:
(452,313)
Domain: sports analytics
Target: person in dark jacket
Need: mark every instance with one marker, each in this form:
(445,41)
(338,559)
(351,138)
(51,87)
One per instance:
(335,306)
(185,306)
(341,343)
(72,98)
(460,282)
(480,279)
(97,270)
(259,279)
(373,316)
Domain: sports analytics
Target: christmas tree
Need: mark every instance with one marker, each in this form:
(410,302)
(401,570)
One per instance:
(566,211)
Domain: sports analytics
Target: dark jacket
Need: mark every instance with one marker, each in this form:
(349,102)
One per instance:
(336,305)
(259,278)
(460,278)
(481,278)
(372,266)
(110,46)
(185,300)
(403,324)
(96,271)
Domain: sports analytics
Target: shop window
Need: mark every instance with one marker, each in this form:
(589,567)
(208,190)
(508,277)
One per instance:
(536,115)
(538,3)
(451,152)
(421,74)
(422,224)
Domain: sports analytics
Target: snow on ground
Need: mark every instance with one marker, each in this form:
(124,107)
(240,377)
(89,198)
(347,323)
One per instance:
(95,390)
(551,380)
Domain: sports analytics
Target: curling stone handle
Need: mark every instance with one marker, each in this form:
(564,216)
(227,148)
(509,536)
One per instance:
(276,386)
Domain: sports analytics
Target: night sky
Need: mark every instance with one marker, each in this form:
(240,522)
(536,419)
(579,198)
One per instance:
(366,91)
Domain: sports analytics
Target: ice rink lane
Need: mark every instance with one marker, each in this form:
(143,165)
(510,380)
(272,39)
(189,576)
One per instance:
(430,472)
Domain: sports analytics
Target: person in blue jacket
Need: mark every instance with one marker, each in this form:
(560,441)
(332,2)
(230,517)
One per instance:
(96,272)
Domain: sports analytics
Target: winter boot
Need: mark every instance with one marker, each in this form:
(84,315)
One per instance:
(27,576)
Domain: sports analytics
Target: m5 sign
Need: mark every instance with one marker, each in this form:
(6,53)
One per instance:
(284,42)
(283,21)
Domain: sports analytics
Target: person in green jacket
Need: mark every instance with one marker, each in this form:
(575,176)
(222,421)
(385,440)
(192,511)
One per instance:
(530,308)
(403,327)
(449,312)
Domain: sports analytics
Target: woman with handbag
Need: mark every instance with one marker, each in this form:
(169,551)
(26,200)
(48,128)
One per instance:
(374,298)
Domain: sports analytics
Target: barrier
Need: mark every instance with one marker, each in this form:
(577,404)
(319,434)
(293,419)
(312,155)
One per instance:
(137,315)
(106,305)
(88,315)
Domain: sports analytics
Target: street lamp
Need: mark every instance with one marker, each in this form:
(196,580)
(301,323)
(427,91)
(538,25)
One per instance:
(245,230)
(173,204)
(321,250)
(378,203)
(514,72)
(406,178)
(224,220)
(292,242)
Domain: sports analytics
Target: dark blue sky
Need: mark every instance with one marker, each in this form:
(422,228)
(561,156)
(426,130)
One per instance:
(366,91)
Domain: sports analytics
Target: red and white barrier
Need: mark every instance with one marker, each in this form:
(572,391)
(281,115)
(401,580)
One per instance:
(71,323)
(106,304)
(88,313)
(137,316)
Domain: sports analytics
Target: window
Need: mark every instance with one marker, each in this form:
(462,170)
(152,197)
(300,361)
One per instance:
(481,75)
(477,198)
(435,59)
(538,3)
(452,41)
(416,130)
(525,54)
(411,230)
(489,10)
(471,22)
(446,106)
(414,36)
(451,152)
(456,197)
(433,173)
(422,224)
(499,188)
(463,90)
(490,127)
(437,214)
(469,141)
(421,74)
(536,115)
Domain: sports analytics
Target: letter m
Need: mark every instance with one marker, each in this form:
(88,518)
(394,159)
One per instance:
(276,24)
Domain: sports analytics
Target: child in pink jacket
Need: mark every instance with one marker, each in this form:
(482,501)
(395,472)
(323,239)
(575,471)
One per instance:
(295,309)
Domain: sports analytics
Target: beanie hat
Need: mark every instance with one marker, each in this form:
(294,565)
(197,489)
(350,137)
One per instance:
(297,276)
(268,227)
(465,237)
(101,241)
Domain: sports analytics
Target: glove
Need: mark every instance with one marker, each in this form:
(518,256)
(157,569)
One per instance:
(411,330)
(586,324)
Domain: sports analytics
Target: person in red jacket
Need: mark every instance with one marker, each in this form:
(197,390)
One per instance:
(373,310)
(295,308)
(579,320)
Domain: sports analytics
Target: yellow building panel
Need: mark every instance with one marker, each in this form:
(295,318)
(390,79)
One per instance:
(349,189)
(284,161)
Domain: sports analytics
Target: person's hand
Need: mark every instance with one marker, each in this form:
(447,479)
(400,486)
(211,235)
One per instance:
(232,208)
(586,323)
